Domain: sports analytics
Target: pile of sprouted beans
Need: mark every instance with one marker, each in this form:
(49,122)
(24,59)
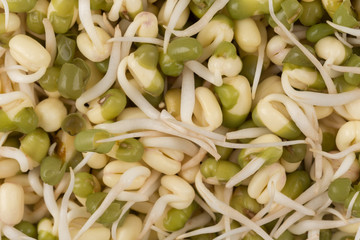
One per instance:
(179,119)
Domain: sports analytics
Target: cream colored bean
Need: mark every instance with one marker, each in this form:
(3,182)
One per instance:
(96,232)
(164,20)
(45,225)
(354,171)
(323,112)
(207,111)
(25,49)
(51,112)
(258,184)
(302,77)
(348,134)
(247,35)
(266,138)
(16,106)
(114,170)
(8,167)
(94,113)
(159,161)
(229,67)
(353,109)
(179,187)
(330,48)
(65,147)
(148,24)
(189,174)
(30,197)
(11,203)
(216,28)
(350,229)
(14,23)
(268,86)
(242,86)
(89,50)
(97,161)
(131,113)
(131,7)
(290,167)
(130,229)
(276,50)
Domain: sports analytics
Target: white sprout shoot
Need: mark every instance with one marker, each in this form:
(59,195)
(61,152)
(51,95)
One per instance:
(357,236)
(64,232)
(210,229)
(50,202)
(313,204)
(204,72)
(83,162)
(317,98)
(7,13)
(258,145)
(351,205)
(204,206)
(149,187)
(156,211)
(12,233)
(195,222)
(308,225)
(195,160)
(250,168)
(17,76)
(247,133)
(18,155)
(175,15)
(187,102)
(339,155)
(102,22)
(198,131)
(110,29)
(88,23)
(345,165)
(203,21)
(125,181)
(77,213)
(106,82)
(350,31)
(50,40)
(13,67)
(260,59)
(62,185)
(34,181)
(3,137)
(52,149)
(115,9)
(175,143)
(342,39)
(134,95)
(131,135)
(344,69)
(150,40)
(225,209)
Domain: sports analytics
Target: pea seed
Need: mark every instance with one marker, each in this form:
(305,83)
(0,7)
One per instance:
(130,150)
(184,49)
